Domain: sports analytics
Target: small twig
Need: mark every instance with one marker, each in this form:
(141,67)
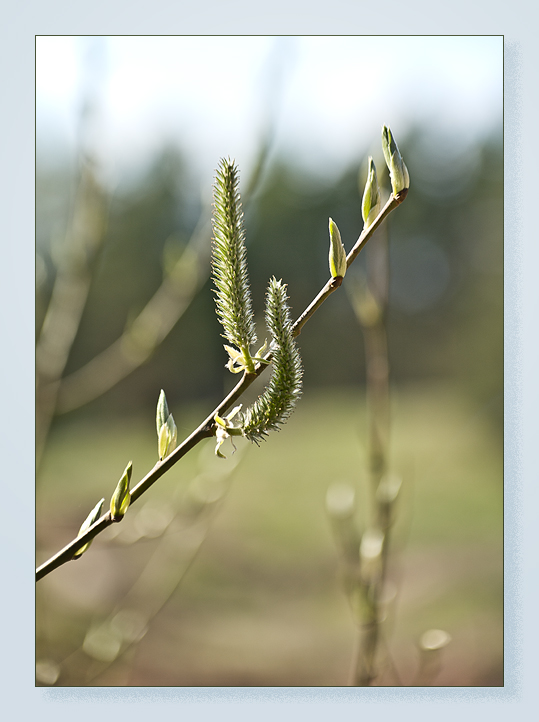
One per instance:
(334,283)
(207,428)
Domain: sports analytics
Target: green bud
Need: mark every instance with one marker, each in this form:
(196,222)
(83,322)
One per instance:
(398,172)
(121,497)
(172,432)
(167,433)
(370,206)
(162,412)
(92,517)
(162,443)
(337,254)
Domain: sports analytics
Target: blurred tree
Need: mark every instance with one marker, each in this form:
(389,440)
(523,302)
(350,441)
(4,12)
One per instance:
(446,293)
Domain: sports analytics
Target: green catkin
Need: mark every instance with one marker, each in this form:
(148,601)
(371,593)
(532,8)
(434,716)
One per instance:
(277,402)
(229,262)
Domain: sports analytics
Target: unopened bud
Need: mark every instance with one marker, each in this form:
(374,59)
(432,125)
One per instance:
(167,437)
(92,517)
(398,172)
(167,432)
(121,497)
(162,443)
(370,206)
(337,254)
(162,412)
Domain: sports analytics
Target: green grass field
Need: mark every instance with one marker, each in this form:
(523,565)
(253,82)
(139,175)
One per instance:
(243,586)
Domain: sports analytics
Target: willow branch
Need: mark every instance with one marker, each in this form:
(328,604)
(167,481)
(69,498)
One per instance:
(334,283)
(171,546)
(207,427)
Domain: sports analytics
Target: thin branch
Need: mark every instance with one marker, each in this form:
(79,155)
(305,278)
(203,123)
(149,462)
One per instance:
(207,428)
(171,544)
(334,283)
(370,306)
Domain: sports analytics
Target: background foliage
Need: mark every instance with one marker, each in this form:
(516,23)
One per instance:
(446,269)
(262,603)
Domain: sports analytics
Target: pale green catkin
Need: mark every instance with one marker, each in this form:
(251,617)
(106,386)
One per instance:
(229,262)
(277,402)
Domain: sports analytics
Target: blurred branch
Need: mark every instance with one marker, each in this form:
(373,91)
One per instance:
(365,555)
(207,427)
(77,259)
(369,300)
(334,283)
(177,549)
(430,646)
(148,330)
(167,305)
(371,307)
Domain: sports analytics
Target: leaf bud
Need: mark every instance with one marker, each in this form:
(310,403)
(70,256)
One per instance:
(398,172)
(162,411)
(337,254)
(121,497)
(371,203)
(167,432)
(92,517)
(168,435)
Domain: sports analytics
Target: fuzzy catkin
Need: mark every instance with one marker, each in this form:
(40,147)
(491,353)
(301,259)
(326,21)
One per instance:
(229,259)
(275,405)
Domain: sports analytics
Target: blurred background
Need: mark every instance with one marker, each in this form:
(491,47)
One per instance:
(227,572)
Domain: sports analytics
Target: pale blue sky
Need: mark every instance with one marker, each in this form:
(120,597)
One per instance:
(212,95)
